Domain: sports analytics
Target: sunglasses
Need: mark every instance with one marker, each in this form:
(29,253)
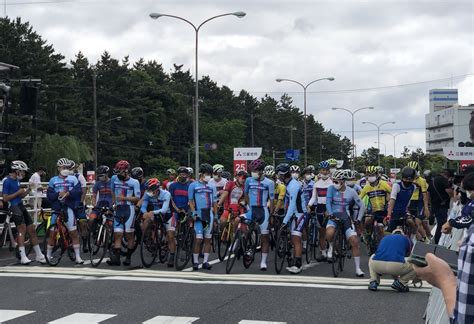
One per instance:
(337,182)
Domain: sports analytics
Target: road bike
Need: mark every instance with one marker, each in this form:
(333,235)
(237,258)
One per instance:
(313,238)
(185,240)
(340,247)
(62,242)
(244,244)
(153,241)
(284,247)
(101,236)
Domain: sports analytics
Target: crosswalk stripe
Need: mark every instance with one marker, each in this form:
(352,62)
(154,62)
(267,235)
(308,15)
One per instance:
(78,318)
(6,315)
(171,320)
(259,322)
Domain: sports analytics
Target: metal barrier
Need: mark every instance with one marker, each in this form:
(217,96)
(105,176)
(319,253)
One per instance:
(436,309)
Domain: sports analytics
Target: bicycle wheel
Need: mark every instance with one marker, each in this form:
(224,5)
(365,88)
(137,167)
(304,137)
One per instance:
(342,257)
(281,250)
(149,246)
(185,247)
(336,254)
(235,250)
(216,237)
(99,238)
(58,245)
(250,247)
(224,242)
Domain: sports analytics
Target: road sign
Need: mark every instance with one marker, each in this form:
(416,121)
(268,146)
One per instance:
(459,153)
(395,170)
(240,165)
(210,146)
(292,155)
(247,153)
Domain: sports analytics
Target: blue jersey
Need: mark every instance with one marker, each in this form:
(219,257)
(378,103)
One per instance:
(143,188)
(203,195)
(10,186)
(294,202)
(103,192)
(307,191)
(259,191)
(60,184)
(159,204)
(393,248)
(126,188)
(402,196)
(338,202)
(179,194)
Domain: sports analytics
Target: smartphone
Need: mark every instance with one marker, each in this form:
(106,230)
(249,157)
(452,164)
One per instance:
(420,250)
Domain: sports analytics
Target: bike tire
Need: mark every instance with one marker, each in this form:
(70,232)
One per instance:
(234,252)
(184,248)
(58,247)
(281,250)
(224,245)
(336,254)
(163,244)
(149,246)
(342,258)
(98,244)
(251,243)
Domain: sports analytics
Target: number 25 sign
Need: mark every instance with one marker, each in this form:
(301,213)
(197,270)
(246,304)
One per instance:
(240,165)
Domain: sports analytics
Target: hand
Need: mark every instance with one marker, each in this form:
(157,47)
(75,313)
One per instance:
(437,272)
(446,229)
(63,195)
(387,219)
(427,213)
(121,198)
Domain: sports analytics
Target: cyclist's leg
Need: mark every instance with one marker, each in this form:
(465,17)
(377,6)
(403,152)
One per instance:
(130,230)
(207,242)
(71,225)
(170,227)
(353,240)
(331,227)
(223,219)
(297,227)
(18,217)
(198,229)
(320,210)
(31,229)
(379,217)
(265,236)
(51,238)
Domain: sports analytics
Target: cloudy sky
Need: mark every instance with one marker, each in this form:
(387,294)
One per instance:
(362,44)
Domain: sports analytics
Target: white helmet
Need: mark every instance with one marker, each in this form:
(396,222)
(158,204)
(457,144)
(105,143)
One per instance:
(295,168)
(19,165)
(63,162)
(72,164)
(218,168)
(191,171)
(339,175)
(269,171)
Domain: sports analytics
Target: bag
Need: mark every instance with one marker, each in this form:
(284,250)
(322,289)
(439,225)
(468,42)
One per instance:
(258,214)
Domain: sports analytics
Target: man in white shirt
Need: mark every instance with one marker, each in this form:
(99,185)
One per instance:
(36,188)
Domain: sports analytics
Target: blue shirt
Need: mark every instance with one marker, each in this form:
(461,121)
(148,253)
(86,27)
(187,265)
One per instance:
(126,188)
(293,200)
(103,192)
(402,196)
(338,202)
(203,195)
(259,191)
(60,184)
(393,248)
(307,191)
(179,194)
(10,186)
(160,204)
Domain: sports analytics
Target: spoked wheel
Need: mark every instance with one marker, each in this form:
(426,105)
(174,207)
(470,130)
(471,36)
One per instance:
(149,246)
(164,251)
(99,239)
(216,238)
(281,250)
(185,248)
(336,253)
(250,247)
(224,242)
(342,257)
(235,251)
(58,245)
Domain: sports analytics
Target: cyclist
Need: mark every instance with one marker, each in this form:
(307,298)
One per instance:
(125,194)
(295,171)
(226,175)
(217,180)
(307,188)
(280,189)
(259,191)
(402,191)
(339,197)
(296,207)
(180,205)
(319,198)
(138,174)
(171,174)
(80,208)
(13,194)
(64,188)
(312,170)
(232,198)
(191,174)
(351,181)
(378,192)
(419,204)
(203,203)
(101,192)
(332,165)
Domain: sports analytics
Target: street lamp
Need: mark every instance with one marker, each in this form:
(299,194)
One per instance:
(239,14)
(96,136)
(385,157)
(394,147)
(378,134)
(305,117)
(352,112)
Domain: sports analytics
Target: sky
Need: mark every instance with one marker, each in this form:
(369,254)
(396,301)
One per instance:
(414,45)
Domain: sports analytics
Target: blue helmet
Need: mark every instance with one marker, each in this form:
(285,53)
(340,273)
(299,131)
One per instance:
(324,165)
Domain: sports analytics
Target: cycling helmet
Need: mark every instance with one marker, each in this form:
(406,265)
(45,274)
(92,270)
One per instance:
(257,165)
(332,162)
(269,173)
(102,170)
(371,169)
(19,165)
(153,184)
(310,168)
(205,168)
(408,173)
(137,173)
(268,168)
(226,175)
(379,169)
(295,168)
(122,165)
(356,174)
(72,164)
(63,162)
(170,171)
(217,168)
(242,174)
(339,175)
(413,165)
(384,177)
(183,169)
(191,170)
(349,174)
(324,165)
(283,168)
(427,173)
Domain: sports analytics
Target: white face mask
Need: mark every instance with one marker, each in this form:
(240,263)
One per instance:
(64,173)
(372,179)
(216,177)
(468,194)
(255,175)
(295,175)
(149,193)
(350,183)
(324,176)
(308,177)
(207,178)
(337,186)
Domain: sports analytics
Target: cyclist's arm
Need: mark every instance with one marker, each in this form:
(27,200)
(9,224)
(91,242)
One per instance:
(363,193)
(192,204)
(271,195)
(12,196)
(314,197)
(329,201)
(214,200)
(224,196)
(144,206)
(51,194)
(293,195)
(361,205)
(94,194)
(166,205)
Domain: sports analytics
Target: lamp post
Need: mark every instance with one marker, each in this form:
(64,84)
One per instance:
(96,137)
(378,135)
(352,112)
(305,117)
(385,157)
(394,147)
(239,14)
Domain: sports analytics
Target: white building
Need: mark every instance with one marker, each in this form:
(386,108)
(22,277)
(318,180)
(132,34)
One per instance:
(448,124)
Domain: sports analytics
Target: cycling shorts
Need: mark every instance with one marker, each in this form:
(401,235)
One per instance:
(70,220)
(298,224)
(349,229)
(20,215)
(416,209)
(320,211)
(266,216)
(124,214)
(396,221)
(171,221)
(378,216)
(205,216)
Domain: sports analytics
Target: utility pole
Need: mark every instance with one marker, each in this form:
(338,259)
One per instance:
(251,125)
(94,102)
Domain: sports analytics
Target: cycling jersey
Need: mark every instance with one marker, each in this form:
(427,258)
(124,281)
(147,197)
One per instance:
(81,179)
(421,186)
(143,187)
(60,184)
(179,194)
(377,194)
(10,186)
(401,195)
(159,204)
(296,206)
(126,188)
(320,190)
(235,195)
(307,191)
(204,197)
(259,191)
(103,192)
(280,191)
(220,185)
(338,202)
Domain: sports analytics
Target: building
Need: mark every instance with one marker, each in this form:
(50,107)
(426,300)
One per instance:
(448,124)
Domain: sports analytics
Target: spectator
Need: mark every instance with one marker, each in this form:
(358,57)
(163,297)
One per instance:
(440,193)
(389,259)
(35,186)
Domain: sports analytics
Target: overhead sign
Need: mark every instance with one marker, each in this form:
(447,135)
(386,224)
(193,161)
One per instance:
(90,176)
(292,155)
(247,153)
(339,164)
(240,165)
(395,170)
(459,153)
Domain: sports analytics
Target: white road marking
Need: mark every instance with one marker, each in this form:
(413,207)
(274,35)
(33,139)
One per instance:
(200,266)
(171,320)
(7,315)
(80,318)
(86,262)
(259,322)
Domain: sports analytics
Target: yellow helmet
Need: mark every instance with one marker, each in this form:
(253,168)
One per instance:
(413,165)
(371,169)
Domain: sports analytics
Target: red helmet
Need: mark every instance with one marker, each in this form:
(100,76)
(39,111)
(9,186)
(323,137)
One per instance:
(122,165)
(257,165)
(153,184)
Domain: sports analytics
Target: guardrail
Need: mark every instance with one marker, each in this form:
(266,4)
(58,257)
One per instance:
(436,309)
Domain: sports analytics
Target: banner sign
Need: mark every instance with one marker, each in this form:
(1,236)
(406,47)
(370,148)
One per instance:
(459,153)
(240,165)
(395,170)
(292,155)
(247,153)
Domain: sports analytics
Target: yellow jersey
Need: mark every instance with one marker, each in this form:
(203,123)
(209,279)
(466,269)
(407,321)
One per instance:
(377,195)
(280,191)
(421,185)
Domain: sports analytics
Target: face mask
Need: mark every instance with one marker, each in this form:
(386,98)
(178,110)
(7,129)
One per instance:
(407,183)
(121,177)
(255,175)
(101,178)
(468,194)
(350,183)
(182,179)
(308,177)
(64,173)
(149,193)
(207,178)
(216,177)
(372,179)
(295,175)
(324,176)
(337,186)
